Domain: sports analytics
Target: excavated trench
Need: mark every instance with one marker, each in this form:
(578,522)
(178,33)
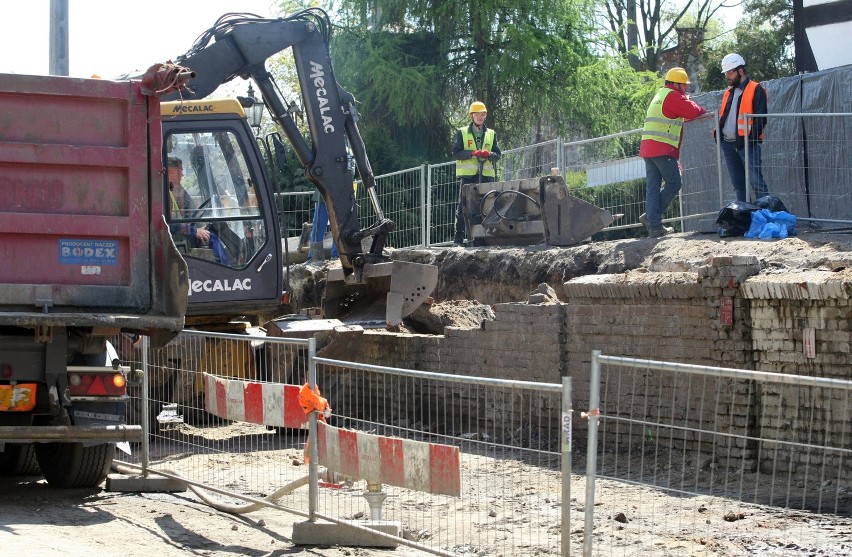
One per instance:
(470,280)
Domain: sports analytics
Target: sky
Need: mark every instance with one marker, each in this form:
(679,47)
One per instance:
(110,38)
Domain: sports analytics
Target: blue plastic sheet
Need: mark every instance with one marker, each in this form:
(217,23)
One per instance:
(766,224)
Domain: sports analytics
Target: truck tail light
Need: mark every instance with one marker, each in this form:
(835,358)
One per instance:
(6,371)
(97,384)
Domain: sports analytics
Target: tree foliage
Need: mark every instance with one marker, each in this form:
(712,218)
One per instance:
(641,30)
(420,64)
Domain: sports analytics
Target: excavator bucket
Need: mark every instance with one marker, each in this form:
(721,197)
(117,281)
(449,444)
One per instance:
(527,212)
(382,296)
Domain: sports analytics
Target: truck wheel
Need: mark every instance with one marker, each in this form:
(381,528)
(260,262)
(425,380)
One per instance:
(19,460)
(67,465)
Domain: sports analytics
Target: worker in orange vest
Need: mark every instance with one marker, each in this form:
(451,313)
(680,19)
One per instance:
(744,96)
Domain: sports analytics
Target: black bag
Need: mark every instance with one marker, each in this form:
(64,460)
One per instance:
(772,203)
(735,218)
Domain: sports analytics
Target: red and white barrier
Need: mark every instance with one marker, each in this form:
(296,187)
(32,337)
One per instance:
(272,404)
(417,465)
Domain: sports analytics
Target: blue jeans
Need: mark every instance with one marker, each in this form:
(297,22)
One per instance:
(735,159)
(659,170)
(320,225)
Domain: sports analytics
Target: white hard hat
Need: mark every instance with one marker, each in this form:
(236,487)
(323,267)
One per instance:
(732,61)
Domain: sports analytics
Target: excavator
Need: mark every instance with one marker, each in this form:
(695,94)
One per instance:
(222,212)
(236,263)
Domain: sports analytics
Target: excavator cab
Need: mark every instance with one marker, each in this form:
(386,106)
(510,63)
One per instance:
(221,213)
(223,221)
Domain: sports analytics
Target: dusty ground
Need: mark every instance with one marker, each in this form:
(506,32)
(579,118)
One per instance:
(38,520)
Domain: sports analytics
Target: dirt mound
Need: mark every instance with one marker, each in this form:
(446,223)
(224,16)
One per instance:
(465,314)
(496,275)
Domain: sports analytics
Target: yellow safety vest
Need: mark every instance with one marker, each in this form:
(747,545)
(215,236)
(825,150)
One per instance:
(470,167)
(659,128)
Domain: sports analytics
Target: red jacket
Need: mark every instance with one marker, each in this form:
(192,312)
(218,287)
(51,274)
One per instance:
(676,105)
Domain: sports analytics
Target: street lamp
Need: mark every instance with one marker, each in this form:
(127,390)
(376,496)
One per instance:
(253,108)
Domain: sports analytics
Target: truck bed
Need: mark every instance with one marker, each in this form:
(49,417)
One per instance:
(82,240)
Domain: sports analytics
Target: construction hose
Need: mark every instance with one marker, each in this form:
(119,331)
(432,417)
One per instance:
(128,468)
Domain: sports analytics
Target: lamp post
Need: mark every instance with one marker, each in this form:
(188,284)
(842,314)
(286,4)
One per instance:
(253,108)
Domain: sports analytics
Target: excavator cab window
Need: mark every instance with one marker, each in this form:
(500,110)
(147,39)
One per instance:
(214,213)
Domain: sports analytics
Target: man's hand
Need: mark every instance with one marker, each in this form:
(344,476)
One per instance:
(202,234)
(476,153)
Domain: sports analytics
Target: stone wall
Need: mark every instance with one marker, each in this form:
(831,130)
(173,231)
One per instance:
(721,313)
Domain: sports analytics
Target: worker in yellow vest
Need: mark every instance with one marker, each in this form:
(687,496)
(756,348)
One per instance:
(744,96)
(660,147)
(476,153)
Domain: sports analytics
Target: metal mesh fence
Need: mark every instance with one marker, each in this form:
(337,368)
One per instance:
(294,209)
(185,439)
(713,444)
(508,436)
(806,164)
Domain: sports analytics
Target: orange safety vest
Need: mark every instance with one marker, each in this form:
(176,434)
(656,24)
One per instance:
(746,107)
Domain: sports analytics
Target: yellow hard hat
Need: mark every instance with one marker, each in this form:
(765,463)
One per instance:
(677,75)
(477,106)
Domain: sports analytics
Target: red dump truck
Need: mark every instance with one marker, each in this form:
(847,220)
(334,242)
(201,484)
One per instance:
(84,255)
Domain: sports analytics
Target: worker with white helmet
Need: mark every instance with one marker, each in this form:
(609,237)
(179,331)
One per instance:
(660,147)
(744,96)
(476,152)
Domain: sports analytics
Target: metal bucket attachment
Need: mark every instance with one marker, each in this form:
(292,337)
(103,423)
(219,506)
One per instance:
(528,212)
(568,220)
(383,295)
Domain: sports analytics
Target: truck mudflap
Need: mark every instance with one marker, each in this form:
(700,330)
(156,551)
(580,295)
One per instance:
(64,434)
(382,295)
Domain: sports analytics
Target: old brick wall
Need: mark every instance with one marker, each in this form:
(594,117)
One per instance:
(801,326)
(720,313)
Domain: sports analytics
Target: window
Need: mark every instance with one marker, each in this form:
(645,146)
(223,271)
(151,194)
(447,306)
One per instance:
(213,202)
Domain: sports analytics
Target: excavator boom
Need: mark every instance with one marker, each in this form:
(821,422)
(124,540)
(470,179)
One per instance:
(238,45)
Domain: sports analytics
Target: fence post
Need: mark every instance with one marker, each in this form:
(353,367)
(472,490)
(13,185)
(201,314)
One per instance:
(560,162)
(748,124)
(313,450)
(592,450)
(567,417)
(424,203)
(719,140)
(146,417)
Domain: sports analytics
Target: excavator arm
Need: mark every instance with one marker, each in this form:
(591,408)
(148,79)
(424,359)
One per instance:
(238,45)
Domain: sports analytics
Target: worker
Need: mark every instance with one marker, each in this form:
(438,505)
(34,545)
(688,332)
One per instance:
(660,147)
(474,145)
(744,96)
(183,206)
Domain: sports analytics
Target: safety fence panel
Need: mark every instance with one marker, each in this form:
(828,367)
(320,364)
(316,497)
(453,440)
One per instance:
(402,198)
(530,161)
(466,465)
(221,411)
(681,456)
(443,201)
(294,210)
(805,161)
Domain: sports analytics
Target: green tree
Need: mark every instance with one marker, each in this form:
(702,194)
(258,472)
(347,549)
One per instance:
(420,65)
(641,30)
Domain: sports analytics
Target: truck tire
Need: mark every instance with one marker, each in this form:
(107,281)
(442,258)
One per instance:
(19,460)
(67,465)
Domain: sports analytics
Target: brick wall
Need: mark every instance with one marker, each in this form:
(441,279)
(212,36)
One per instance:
(721,313)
